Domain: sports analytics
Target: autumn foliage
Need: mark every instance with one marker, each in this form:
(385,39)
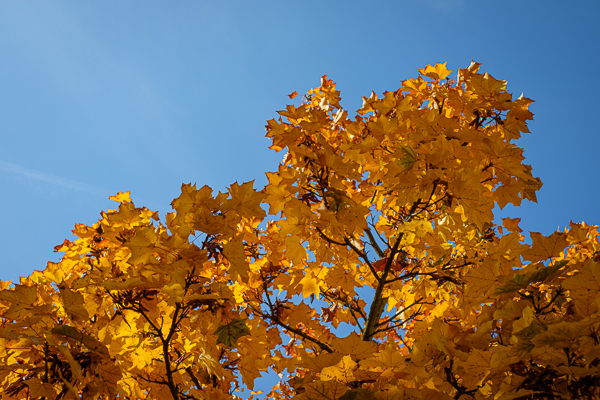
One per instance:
(369,267)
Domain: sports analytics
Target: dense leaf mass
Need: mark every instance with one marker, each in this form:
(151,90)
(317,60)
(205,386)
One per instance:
(369,267)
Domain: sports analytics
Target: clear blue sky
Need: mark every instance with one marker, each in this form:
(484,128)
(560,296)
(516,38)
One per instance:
(98,97)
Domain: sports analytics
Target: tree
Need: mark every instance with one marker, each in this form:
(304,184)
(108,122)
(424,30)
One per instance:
(378,273)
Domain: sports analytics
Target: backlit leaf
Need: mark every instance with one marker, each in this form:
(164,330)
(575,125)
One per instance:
(229,334)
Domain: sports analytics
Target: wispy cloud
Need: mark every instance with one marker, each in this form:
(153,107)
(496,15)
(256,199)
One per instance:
(54,180)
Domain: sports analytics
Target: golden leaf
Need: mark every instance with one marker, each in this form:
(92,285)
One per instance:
(544,247)
(234,252)
(121,197)
(74,305)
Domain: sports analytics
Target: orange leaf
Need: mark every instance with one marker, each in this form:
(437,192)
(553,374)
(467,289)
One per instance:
(545,247)
(512,224)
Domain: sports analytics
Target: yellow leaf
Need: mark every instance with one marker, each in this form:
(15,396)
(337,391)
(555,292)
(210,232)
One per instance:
(325,390)
(564,333)
(294,249)
(419,227)
(143,245)
(321,361)
(39,389)
(310,285)
(481,280)
(486,85)
(587,281)
(438,72)
(121,197)
(234,252)
(245,201)
(124,284)
(74,305)
(87,340)
(342,371)
(354,346)
(22,298)
(477,367)
(21,295)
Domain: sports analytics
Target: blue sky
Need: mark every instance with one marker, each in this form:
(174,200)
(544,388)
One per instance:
(100,97)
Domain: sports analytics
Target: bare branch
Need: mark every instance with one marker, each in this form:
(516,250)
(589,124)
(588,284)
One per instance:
(194,379)
(374,243)
(273,317)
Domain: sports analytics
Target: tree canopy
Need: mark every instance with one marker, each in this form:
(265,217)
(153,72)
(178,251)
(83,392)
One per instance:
(369,267)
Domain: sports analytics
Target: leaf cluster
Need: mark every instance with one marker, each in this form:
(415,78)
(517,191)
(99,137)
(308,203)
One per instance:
(380,225)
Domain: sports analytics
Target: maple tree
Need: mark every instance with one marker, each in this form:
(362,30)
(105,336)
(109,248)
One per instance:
(369,267)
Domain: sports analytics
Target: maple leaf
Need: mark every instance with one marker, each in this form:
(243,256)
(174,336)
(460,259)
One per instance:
(486,85)
(321,361)
(342,371)
(310,285)
(439,71)
(325,390)
(586,283)
(245,200)
(21,295)
(121,197)
(477,368)
(22,299)
(74,304)
(37,388)
(127,215)
(229,334)
(408,159)
(143,245)
(85,339)
(294,249)
(474,206)
(342,278)
(521,281)
(512,224)
(564,333)
(532,186)
(354,346)
(545,247)
(481,280)
(234,252)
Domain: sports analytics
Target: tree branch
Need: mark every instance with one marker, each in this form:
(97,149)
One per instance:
(378,301)
(374,244)
(272,316)
(165,345)
(194,379)
(362,255)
